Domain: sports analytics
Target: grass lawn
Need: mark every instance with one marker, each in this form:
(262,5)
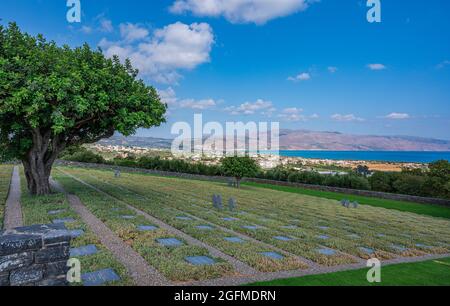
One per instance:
(5,179)
(417,208)
(315,228)
(36,210)
(427,273)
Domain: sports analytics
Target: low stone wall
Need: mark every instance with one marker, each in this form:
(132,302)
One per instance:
(34,256)
(366,193)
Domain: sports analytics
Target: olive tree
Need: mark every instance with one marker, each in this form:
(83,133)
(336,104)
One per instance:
(54,97)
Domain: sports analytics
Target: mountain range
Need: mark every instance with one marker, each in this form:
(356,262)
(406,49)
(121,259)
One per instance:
(312,140)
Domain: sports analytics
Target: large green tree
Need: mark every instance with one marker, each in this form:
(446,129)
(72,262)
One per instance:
(240,167)
(55,97)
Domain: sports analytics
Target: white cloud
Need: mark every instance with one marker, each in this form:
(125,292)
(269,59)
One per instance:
(169,97)
(86,29)
(131,32)
(346,118)
(292,114)
(198,104)
(106,26)
(397,116)
(160,55)
(443,64)
(376,67)
(301,77)
(332,69)
(251,108)
(241,11)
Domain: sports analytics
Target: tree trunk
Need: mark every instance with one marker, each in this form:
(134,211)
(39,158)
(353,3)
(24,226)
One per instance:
(37,176)
(38,162)
(238,182)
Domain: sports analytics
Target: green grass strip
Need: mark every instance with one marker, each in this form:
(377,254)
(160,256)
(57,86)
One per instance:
(427,273)
(417,208)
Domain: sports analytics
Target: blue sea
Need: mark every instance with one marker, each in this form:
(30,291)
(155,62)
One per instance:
(385,156)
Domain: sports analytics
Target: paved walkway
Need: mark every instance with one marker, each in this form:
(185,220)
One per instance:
(137,267)
(13,209)
(240,267)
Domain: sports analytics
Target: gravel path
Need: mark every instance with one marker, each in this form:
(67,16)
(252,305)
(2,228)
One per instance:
(137,267)
(13,209)
(240,267)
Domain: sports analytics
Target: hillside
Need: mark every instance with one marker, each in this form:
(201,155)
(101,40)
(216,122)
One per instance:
(311,140)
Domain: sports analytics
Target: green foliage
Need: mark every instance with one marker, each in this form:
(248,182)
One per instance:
(74,96)
(240,167)
(83,155)
(383,181)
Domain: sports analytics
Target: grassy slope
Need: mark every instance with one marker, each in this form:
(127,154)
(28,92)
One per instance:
(422,209)
(427,273)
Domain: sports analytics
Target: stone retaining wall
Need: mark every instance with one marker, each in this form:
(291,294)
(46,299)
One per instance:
(34,256)
(366,193)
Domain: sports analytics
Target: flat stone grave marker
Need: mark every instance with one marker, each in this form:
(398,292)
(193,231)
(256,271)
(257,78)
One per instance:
(205,227)
(115,209)
(273,255)
(282,238)
(128,217)
(423,246)
(100,277)
(399,248)
(147,228)
(354,236)
(289,226)
(251,227)
(184,218)
(323,237)
(381,235)
(323,228)
(327,252)
(83,251)
(200,260)
(368,251)
(229,219)
(56,212)
(76,233)
(170,242)
(234,239)
(62,221)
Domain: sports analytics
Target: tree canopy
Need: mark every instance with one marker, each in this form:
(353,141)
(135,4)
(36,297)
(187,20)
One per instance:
(240,167)
(54,97)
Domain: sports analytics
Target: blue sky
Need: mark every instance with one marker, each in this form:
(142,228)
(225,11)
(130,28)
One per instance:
(315,65)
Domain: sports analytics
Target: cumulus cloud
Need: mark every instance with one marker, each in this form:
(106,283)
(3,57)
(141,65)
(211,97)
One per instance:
(198,104)
(131,32)
(169,97)
(332,69)
(241,11)
(301,77)
(292,114)
(251,108)
(106,26)
(398,116)
(376,67)
(443,64)
(346,118)
(160,55)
